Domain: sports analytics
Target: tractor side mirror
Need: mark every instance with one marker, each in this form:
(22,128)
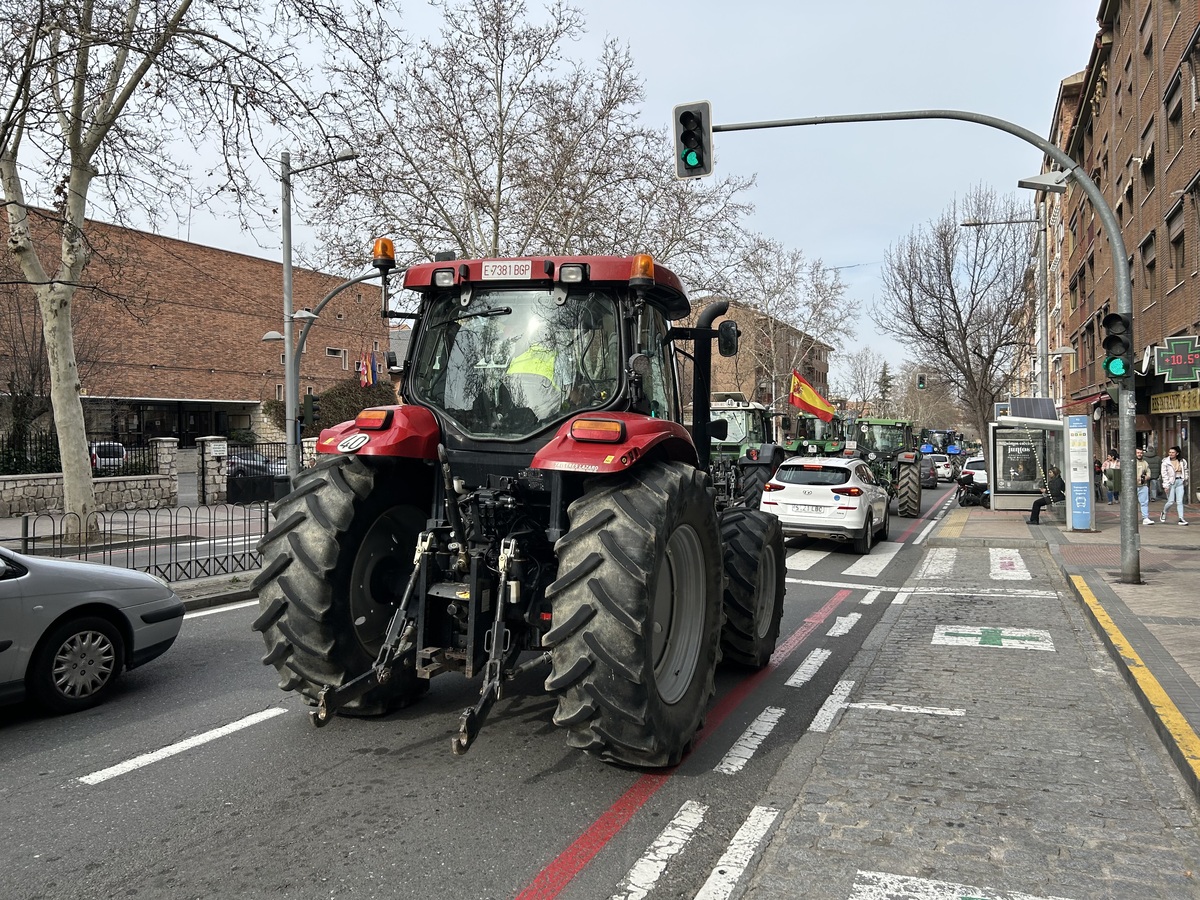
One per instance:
(718,429)
(727,338)
(785,424)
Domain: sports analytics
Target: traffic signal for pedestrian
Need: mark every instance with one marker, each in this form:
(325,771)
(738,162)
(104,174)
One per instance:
(1118,346)
(692,123)
(920,381)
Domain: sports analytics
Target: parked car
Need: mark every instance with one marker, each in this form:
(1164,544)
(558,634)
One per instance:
(69,628)
(828,497)
(240,463)
(977,466)
(929,472)
(945,468)
(107,455)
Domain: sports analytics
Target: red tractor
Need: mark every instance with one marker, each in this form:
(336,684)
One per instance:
(534,500)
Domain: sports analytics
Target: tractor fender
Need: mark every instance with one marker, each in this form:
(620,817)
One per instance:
(908,457)
(402,431)
(639,437)
(768,455)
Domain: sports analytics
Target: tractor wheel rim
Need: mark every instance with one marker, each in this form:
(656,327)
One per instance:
(84,663)
(764,606)
(381,570)
(679,615)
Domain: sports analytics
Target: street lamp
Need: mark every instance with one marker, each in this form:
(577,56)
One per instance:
(291,370)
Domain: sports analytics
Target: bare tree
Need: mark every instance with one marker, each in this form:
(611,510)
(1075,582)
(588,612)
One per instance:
(937,406)
(92,99)
(856,378)
(797,307)
(960,293)
(490,141)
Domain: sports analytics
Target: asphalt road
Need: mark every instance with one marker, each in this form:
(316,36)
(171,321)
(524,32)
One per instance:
(201,779)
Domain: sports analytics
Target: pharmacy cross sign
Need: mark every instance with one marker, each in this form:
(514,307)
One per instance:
(1179,360)
(973,636)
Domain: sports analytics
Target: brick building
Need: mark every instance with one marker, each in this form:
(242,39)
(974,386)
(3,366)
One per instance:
(169,334)
(1130,119)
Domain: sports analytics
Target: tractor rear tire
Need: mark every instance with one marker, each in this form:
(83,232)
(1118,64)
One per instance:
(637,615)
(754,586)
(334,567)
(754,478)
(908,491)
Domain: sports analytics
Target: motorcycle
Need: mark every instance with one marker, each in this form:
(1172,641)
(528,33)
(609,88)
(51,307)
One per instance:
(971,493)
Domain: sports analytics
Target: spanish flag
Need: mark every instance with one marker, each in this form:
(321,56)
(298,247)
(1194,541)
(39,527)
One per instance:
(804,396)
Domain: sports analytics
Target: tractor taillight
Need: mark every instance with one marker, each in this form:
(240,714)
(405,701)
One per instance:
(546,617)
(642,273)
(606,431)
(373,419)
(752,454)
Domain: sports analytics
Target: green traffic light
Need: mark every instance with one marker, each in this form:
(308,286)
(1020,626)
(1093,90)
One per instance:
(690,157)
(1116,367)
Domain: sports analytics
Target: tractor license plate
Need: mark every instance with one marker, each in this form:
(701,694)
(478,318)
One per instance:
(805,508)
(498,270)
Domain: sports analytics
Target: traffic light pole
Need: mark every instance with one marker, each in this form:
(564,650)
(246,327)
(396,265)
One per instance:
(1130,543)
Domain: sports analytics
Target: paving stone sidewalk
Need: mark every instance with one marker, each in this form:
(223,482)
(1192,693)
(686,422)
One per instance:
(1053,782)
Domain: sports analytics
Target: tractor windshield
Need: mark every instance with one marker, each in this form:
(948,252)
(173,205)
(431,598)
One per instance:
(514,361)
(881,438)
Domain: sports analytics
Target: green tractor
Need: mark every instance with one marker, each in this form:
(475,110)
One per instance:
(747,456)
(815,437)
(890,448)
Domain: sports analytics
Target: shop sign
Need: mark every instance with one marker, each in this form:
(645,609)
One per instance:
(1175,402)
(1179,360)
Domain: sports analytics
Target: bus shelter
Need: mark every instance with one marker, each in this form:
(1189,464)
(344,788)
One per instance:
(1023,449)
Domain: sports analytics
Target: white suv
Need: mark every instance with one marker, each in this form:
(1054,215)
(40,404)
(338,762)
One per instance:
(107,455)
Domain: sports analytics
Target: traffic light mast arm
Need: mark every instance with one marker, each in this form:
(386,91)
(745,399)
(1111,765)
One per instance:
(1130,564)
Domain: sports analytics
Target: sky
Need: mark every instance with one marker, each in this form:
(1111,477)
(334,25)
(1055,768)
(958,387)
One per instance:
(841,193)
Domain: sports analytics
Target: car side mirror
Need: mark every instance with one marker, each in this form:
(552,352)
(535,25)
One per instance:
(727,338)
(718,429)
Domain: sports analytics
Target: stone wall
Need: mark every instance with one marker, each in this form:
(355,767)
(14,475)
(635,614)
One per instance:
(21,494)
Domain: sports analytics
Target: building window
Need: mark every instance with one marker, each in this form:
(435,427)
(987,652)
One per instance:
(1174,121)
(1148,169)
(279,392)
(1148,266)
(282,359)
(1178,258)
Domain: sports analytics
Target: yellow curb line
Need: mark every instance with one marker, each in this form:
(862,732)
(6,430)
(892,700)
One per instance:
(953,523)
(1186,740)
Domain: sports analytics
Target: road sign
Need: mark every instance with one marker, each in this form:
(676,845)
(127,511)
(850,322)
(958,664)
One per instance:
(1179,360)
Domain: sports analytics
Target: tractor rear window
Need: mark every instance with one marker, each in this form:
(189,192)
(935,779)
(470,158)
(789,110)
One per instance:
(817,475)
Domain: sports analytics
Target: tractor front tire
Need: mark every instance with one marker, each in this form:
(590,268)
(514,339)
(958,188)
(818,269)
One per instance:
(334,567)
(908,491)
(754,586)
(637,615)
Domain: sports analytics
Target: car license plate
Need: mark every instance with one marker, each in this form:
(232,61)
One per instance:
(805,508)
(498,270)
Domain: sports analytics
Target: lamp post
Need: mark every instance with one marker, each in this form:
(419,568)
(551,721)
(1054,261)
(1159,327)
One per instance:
(291,374)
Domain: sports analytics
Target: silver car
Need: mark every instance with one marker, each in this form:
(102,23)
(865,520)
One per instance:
(828,497)
(68,628)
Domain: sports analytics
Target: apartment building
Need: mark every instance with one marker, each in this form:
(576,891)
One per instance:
(1130,119)
(169,334)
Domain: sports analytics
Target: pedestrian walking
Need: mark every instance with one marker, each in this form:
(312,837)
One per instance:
(1098,478)
(1112,476)
(1155,462)
(1174,478)
(1143,486)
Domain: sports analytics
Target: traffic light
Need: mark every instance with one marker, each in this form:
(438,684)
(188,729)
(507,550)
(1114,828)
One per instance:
(920,381)
(1118,346)
(692,123)
(312,410)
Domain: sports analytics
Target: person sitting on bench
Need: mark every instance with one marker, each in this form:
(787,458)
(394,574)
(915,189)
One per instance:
(1054,492)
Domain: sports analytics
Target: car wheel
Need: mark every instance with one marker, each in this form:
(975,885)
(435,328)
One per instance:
(862,543)
(76,664)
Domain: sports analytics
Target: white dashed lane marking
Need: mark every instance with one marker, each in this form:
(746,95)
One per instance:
(644,874)
(743,748)
(808,668)
(733,862)
(843,625)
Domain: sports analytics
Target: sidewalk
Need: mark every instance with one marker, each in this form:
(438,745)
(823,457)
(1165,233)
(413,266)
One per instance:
(944,770)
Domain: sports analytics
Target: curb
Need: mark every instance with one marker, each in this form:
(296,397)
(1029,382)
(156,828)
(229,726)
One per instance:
(1181,742)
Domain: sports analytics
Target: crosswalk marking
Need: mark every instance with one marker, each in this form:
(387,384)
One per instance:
(639,881)
(937,564)
(1007,565)
(805,559)
(874,562)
